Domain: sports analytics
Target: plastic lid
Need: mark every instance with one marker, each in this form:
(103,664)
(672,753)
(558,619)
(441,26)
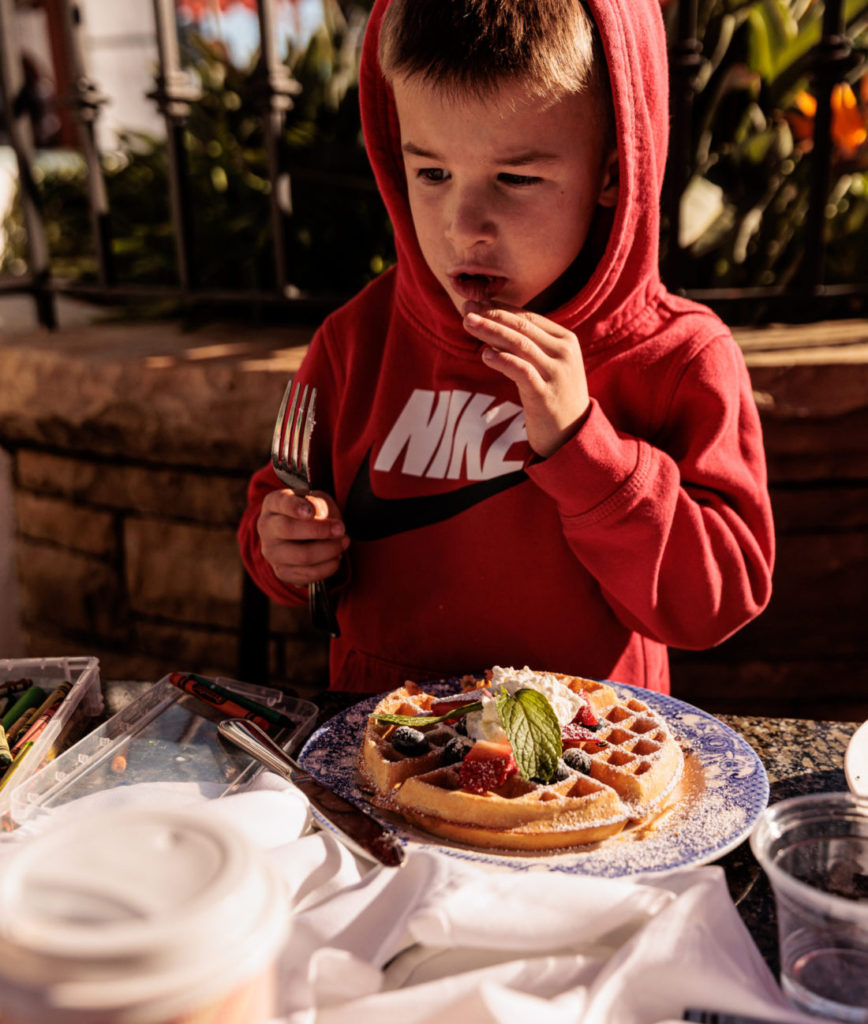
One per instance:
(135,908)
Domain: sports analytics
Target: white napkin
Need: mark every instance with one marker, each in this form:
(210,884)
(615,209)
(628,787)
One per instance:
(441,938)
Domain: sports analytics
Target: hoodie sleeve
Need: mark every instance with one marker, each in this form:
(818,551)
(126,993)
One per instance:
(678,532)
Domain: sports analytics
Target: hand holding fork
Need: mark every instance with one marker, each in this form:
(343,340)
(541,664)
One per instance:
(290,448)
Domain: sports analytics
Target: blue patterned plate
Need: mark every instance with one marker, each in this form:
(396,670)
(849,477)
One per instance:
(725,789)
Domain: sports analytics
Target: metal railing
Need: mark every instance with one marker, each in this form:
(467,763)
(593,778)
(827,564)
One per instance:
(175,92)
(808,297)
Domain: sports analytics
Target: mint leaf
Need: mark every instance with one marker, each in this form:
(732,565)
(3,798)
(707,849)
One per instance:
(534,733)
(417,720)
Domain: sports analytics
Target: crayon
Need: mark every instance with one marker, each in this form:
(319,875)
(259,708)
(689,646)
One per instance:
(232,709)
(7,700)
(15,764)
(32,731)
(31,698)
(54,698)
(275,717)
(44,713)
(5,752)
(12,686)
(11,689)
(22,723)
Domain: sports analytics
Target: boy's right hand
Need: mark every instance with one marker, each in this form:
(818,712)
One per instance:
(302,536)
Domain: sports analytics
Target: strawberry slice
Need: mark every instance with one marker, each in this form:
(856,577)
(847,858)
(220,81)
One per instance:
(487,766)
(453,702)
(585,716)
(574,734)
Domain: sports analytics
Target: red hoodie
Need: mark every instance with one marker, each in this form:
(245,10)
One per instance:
(650,528)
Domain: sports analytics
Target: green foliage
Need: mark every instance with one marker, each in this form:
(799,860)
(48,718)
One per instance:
(338,236)
(743,214)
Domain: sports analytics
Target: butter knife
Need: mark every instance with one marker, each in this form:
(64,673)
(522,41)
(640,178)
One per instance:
(357,829)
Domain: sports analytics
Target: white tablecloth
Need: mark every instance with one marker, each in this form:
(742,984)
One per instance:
(440,939)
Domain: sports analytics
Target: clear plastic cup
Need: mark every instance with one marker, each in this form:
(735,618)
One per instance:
(814,850)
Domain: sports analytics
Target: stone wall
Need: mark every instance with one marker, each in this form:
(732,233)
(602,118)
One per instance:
(131,445)
(809,649)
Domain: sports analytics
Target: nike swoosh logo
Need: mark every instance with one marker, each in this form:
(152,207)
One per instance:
(368,517)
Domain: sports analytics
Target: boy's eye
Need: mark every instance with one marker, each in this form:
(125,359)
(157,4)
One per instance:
(431,174)
(518,179)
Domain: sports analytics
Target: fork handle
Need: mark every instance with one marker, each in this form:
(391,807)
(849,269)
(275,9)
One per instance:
(321,611)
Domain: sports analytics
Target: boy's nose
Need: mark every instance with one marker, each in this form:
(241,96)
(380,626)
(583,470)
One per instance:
(470,221)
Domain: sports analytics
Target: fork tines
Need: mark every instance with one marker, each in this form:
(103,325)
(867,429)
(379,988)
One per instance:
(290,451)
(290,442)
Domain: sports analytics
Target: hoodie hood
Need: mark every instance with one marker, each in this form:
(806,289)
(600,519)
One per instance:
(626,277)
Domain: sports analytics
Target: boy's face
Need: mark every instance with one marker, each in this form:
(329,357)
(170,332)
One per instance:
(503,189)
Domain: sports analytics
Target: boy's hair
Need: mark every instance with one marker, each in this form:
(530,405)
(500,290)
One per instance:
(550,46)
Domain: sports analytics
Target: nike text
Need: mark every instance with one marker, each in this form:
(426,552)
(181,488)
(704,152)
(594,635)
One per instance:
(443,432)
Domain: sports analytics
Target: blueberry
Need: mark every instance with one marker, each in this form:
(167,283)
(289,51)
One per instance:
(410,741)
(455,750)
(578,760)
(561,772)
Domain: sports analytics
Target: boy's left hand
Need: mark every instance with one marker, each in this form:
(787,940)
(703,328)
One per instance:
(545,362)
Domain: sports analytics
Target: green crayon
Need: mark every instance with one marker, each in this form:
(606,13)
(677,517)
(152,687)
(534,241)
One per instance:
(29,699)
(11,689)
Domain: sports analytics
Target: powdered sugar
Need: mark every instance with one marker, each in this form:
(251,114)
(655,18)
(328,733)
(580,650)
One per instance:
(722,791)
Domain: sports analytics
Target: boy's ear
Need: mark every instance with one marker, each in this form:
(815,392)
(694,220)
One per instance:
(609,181)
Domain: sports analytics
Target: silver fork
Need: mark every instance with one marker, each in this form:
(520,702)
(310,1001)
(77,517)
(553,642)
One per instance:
(290,449)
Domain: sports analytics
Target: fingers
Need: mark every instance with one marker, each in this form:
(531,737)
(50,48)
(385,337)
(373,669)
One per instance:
(312,516)
(544,360)
(519,332)
(302,537)
(535,353)
(301,565)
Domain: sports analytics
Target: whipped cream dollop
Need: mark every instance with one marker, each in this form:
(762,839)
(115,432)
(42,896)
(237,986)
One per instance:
(485,724)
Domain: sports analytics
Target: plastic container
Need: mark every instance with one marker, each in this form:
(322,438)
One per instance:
(140,917)
(814,850)
(158,737)
(76,714)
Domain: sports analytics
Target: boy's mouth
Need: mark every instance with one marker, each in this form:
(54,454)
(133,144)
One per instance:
(478,287)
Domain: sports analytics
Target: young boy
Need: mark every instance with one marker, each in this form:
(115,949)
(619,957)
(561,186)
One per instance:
(527,452)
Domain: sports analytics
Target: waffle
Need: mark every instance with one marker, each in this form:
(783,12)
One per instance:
(625,779)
